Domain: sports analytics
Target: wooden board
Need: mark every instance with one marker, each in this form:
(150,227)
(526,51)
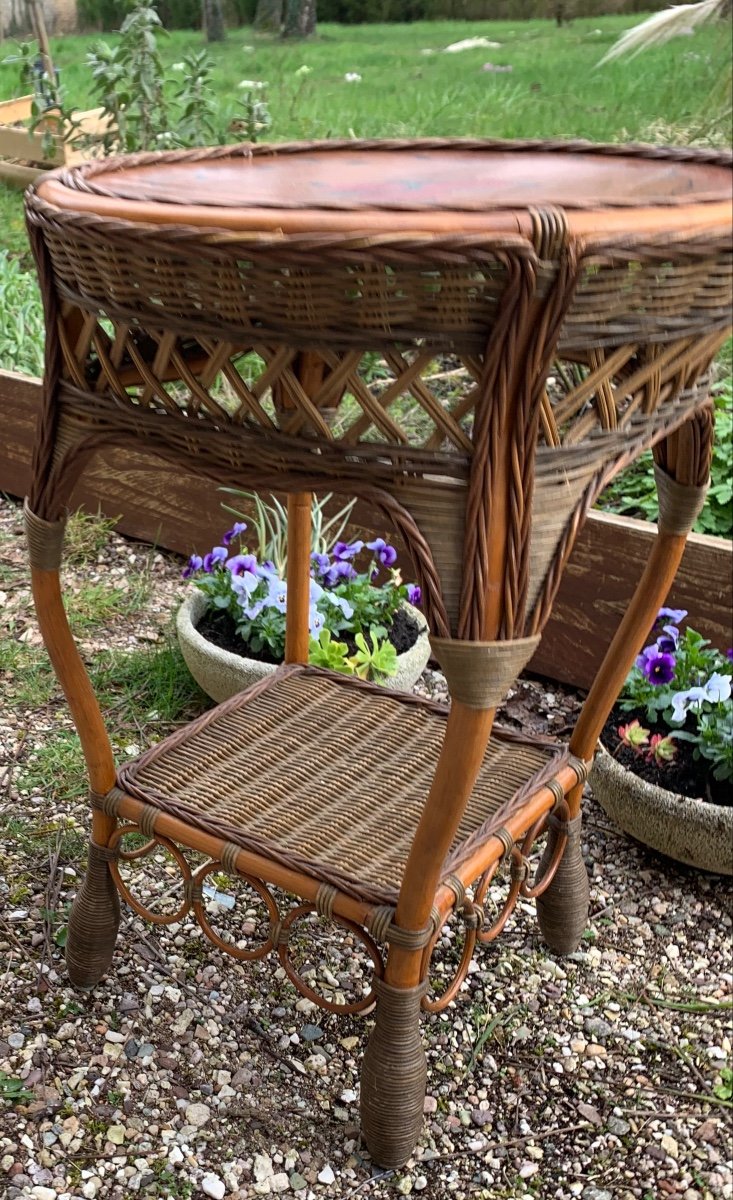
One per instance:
(19,143)
(15,110)
(183,513)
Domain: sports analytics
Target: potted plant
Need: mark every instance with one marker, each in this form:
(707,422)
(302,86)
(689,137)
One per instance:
(665,764)
(363,619)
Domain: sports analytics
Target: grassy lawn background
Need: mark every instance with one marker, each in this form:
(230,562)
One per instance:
(553,89)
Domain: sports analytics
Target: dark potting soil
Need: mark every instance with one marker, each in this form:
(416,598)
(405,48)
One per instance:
(685,775)
(219,628)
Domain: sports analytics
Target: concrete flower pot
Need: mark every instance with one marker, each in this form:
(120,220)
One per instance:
(689,831)
(222,674)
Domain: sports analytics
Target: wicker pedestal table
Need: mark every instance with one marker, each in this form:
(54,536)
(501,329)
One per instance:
(472,337)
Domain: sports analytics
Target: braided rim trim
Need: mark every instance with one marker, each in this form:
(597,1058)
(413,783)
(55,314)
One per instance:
(85,177)
(45,540)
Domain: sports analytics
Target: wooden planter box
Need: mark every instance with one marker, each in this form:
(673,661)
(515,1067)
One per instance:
(156,504)
(22,154)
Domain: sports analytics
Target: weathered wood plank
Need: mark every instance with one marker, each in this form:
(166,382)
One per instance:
(605,565)
(19,143)
(183,513)
(15,110)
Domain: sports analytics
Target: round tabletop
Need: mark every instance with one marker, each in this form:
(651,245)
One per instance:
(429,186)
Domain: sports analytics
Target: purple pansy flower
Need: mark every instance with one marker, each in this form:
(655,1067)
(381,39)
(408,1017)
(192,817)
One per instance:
(277,594)
(343,551)
(339,572)
(675,615)
(718,688)
(316,621)
(667,641)
(659,668)
(244,585)
(237,528)
(386,554)
(683,701)
(321,563)
(414,594)
(729,654)
(218,555)
(241,563)
(195,563)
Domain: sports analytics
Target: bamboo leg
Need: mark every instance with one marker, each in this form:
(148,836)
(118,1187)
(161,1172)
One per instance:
(683,459)
(394,1068)
(95,914)
(299,545)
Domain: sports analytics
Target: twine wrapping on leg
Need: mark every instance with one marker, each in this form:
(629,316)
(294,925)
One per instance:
(393,1076)
(93,923)
(562,909)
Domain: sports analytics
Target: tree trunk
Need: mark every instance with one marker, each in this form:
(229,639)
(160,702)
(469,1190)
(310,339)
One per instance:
(269,15)
(300,18)
(213,21)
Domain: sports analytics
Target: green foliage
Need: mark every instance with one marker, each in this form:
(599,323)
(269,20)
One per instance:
(325,652)
(269,520)
(86,535)
(693,701)
(108,15)
(128,78)
(197,110)
(12,1090)
(373,658)
(633,493)
(724,1089)
(21,318)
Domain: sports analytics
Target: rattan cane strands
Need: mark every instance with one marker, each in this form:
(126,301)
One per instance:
(567,481)
(280,771)
(440,292)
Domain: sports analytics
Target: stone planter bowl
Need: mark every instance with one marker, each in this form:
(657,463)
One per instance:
(222,674)
(690,831)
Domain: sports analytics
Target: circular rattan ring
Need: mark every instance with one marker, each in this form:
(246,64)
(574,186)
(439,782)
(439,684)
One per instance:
(141,852)
(471,923)
(532,891)
(257,886)
(305,989)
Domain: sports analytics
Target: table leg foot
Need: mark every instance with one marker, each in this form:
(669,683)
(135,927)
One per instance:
(562,909)
(93,923)
(393,1076)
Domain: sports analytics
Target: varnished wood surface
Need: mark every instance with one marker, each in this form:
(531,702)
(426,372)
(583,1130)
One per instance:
(158,505)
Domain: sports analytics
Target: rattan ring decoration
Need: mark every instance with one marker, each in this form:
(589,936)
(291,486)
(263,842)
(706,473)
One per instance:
(139,852)
(257,886)
(356,1006)
(519,870)
(471,918)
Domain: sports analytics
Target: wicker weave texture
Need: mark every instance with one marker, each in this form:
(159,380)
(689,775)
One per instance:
(328,777)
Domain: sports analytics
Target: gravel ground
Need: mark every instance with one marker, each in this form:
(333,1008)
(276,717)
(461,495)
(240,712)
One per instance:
(600,1076)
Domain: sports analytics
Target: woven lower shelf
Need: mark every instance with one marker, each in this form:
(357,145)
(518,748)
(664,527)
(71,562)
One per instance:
(328,775)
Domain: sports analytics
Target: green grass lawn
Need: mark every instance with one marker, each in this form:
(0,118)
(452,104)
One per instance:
(553,89)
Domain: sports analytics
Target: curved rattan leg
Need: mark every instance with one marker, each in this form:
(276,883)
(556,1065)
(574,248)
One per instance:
(393,1075)
(93,923)
(562,909)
